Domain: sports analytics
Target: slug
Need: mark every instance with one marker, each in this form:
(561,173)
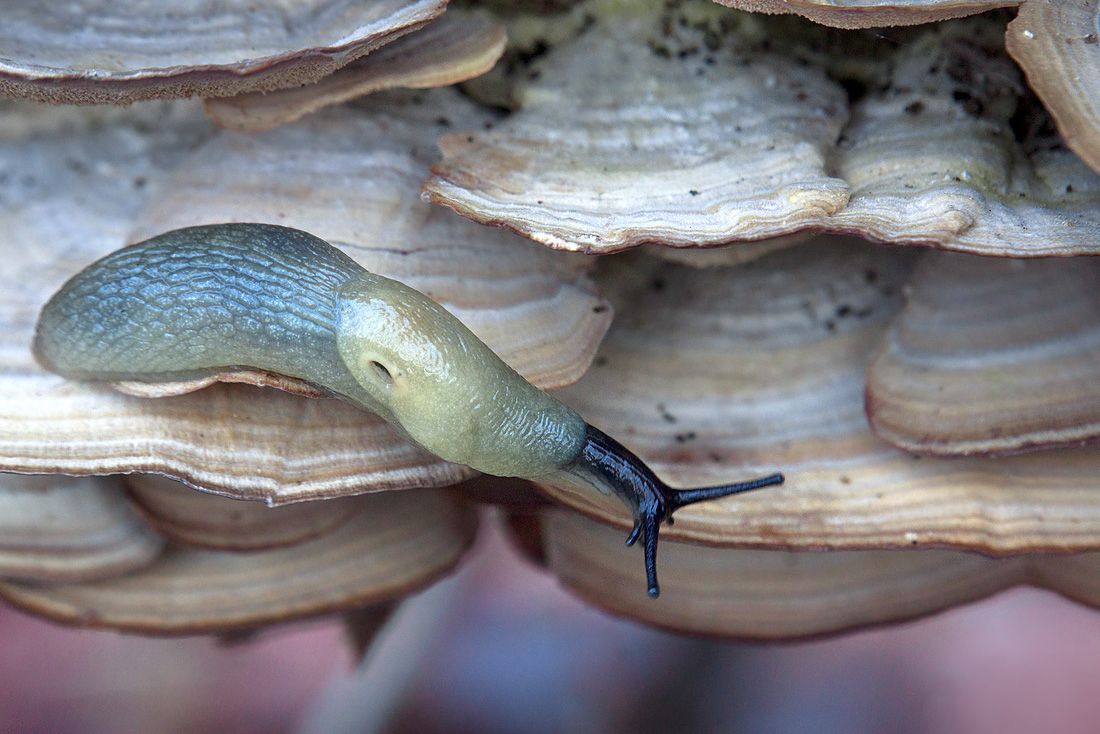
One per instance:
(195,302)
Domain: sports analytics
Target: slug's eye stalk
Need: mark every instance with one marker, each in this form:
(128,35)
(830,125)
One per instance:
(612,465)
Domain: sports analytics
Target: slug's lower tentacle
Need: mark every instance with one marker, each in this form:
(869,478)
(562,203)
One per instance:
(605,461)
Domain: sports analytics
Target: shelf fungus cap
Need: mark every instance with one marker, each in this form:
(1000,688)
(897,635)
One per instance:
(357,187)
(99,52)
(945,147)
(991,356)
(872,13)
(450,50)
(775,594)
(713,375)
(395,543)
(625,137)
(950,152)
(192,518)
(767,594)
(59,529)
(1055,41)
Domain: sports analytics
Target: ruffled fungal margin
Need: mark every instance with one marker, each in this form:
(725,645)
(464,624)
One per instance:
(55,529)
(642,130)
(395,543)
(1055,41)
(720,374)
(991,356)
(349,176)
(202,520)
(871,13)
(450,50)
(933,156)
(773,594)
(107,52)
(944,146)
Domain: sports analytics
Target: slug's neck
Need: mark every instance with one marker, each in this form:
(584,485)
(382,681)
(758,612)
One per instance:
(610,467)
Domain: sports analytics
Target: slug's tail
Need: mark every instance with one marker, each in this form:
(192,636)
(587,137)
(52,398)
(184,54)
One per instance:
(651,500)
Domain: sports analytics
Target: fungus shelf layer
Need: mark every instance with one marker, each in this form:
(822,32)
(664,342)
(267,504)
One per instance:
(450,50)
(719,373)
(394,543)
(991,356)
(1055,41)
(350,175)
(692,130)
(872,13)
(118,52)
(58,529)
(775,594)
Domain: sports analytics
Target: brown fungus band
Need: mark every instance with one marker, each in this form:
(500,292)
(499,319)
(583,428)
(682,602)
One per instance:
(219,299)
(123,51)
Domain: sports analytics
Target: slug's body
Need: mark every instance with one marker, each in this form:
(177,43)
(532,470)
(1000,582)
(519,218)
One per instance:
(200,301)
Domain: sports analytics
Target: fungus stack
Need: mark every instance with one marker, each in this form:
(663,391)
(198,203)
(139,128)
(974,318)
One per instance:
(927,407)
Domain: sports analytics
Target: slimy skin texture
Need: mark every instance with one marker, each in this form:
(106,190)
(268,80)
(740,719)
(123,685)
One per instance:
(202,301)
(445,388)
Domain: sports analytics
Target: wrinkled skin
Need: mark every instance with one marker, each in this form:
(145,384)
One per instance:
(202,301)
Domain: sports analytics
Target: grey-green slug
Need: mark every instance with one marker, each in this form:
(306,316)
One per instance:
(198,301)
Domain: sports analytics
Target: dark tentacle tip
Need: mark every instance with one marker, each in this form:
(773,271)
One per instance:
(651,500)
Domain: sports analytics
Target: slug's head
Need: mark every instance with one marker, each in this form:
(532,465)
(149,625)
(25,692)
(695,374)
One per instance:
(427,373)
(611,467)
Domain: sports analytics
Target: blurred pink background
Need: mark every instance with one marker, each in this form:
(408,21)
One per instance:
(501,648)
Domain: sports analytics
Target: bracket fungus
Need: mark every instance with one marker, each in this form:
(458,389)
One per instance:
(940,143)
(58,529)
(621,140)
(450,50)
(991,356)
(950,152)
(872,13)
(357,186)
(111,52)
(775,594)
(394,543)
(733,146)
(732,370)
(712,372)
(1055,41)
(190,518)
